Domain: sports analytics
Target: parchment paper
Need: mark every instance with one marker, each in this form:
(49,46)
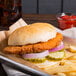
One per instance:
(69,36)
(4,42)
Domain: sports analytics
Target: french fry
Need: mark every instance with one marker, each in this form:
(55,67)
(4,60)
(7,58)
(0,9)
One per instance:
(72,49)
(72,57)
(60,74)
(71,74)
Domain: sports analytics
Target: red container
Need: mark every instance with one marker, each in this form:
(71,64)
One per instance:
(66,20)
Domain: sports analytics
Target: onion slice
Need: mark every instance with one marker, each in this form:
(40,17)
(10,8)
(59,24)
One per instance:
(61,46)
(36,55)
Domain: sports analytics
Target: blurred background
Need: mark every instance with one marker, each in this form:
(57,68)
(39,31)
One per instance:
(48,6)
(44,7)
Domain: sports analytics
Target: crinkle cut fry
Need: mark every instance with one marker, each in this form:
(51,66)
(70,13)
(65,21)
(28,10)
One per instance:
(37,47)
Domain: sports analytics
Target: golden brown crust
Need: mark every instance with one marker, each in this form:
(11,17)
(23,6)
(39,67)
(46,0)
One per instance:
(38,47)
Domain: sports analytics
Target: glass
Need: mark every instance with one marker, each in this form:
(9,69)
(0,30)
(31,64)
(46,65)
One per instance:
(66,20)
(10,12)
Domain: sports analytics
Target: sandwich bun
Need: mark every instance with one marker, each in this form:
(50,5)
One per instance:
(34,33)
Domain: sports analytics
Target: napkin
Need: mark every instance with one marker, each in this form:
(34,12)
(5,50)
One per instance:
(4,34)
(69,36)
(13,72)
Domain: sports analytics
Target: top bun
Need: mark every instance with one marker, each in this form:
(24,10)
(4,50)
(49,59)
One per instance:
(37,32)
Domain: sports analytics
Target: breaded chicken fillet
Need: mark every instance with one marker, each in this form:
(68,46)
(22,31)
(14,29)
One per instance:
(34,41)
(37,47)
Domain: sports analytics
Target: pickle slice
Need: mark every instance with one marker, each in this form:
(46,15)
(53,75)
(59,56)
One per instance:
(58,55)
(36,60)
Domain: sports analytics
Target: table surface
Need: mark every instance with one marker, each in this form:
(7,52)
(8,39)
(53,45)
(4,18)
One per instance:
(32,18)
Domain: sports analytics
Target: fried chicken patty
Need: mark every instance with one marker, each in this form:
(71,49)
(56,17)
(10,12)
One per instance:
(37,47)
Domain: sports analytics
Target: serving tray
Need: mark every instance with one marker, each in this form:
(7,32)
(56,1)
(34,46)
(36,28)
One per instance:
(21,65)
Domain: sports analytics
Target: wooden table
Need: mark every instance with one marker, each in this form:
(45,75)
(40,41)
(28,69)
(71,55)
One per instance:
(31,18)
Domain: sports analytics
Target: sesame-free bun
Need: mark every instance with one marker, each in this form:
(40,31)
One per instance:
(33,33)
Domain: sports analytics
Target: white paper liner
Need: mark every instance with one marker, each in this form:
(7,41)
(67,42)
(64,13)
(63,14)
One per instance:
(69,36)
(3,42)
(13,72)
